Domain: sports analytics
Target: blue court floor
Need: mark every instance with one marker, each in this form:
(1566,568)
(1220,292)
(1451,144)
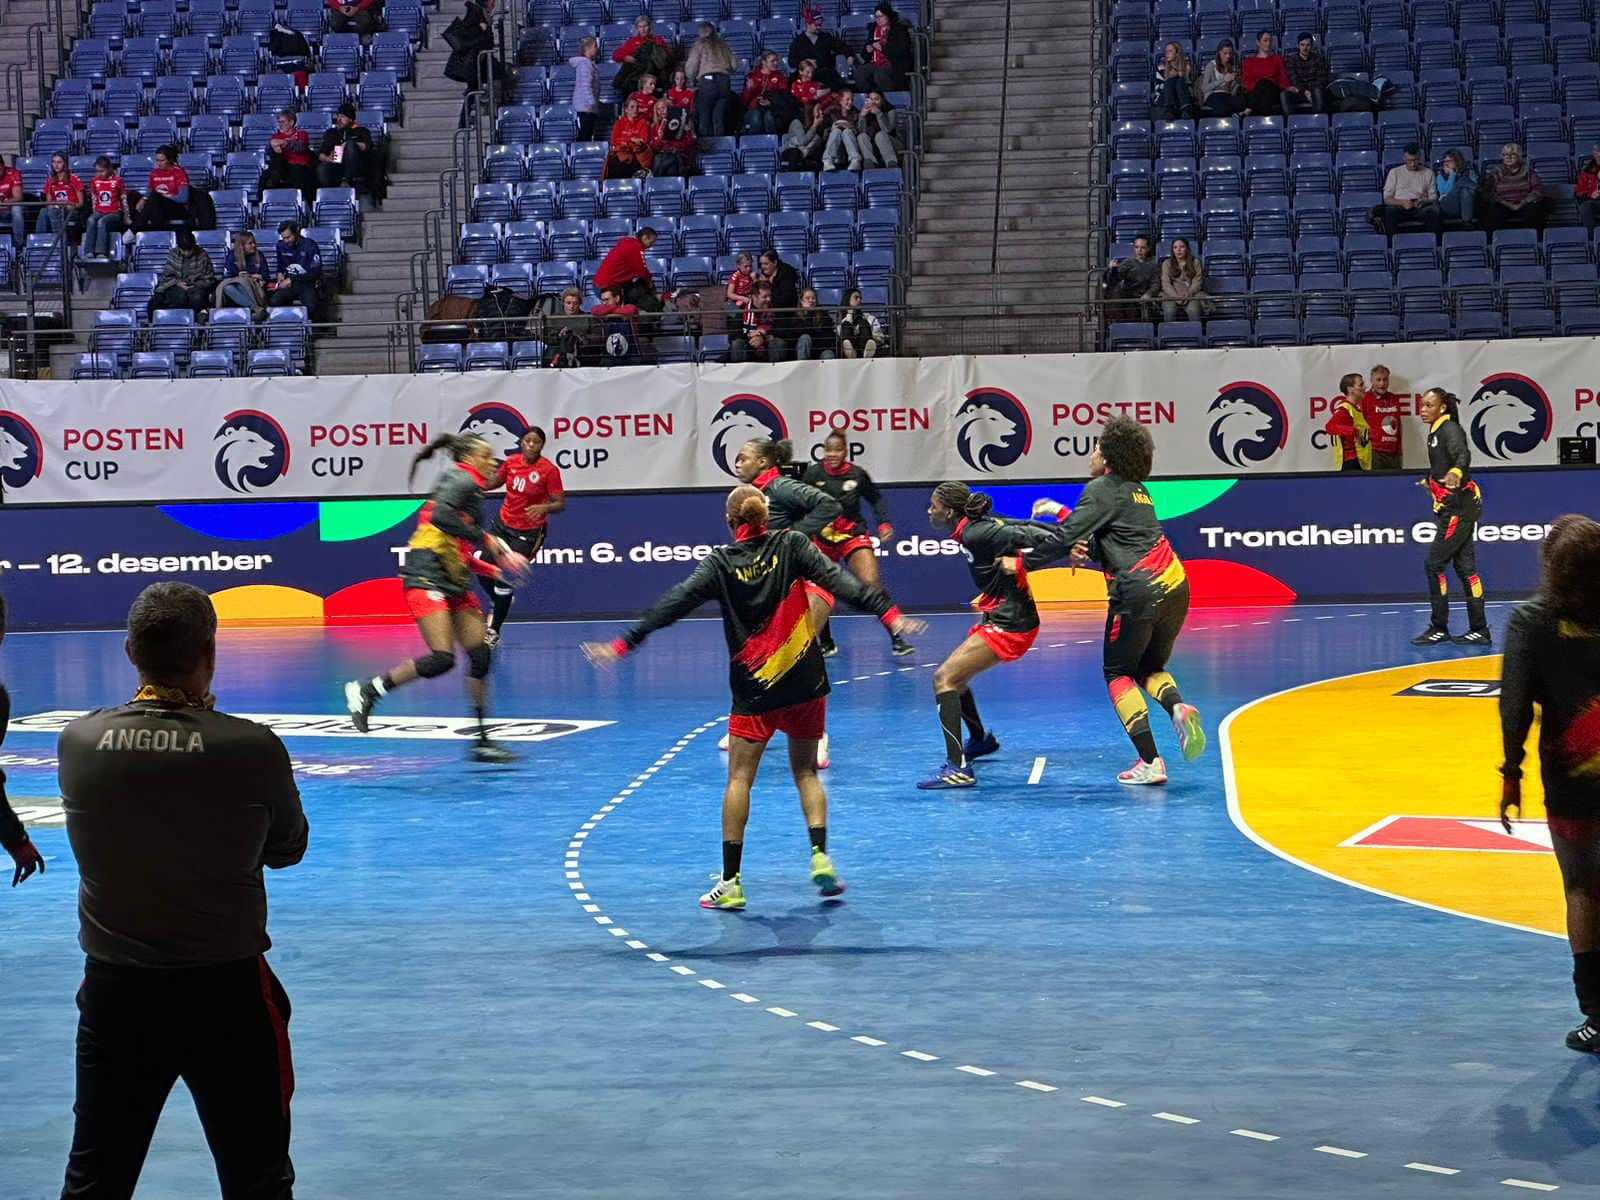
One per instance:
(1049,986)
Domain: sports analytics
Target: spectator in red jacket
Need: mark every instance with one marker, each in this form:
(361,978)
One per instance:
(1588,189)
(805,88)
(631,153)
(647,95)
(672,141)
(1385,415)
(354,16)
(644,53)
(681,94)
(1265,79)
(625,270)
(1353,449)
(165,203)
(289,159)
(766,79)
(11,211)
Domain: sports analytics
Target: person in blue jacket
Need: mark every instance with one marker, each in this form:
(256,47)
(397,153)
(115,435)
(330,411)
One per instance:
(299,278)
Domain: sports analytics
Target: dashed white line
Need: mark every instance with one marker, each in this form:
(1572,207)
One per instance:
(919,1056)
(1254,1134)
(978,1071)
(1340,1151)
(1102,1102)
(868,1041)
(636,944)
(591,908)
(782,1012)
(1530,1185)
(1034,1085)
(617,931)
(1038,770)
(682,970)
(1176,1118)
(712,984)
(745,998)
(1431,1169)
(822,1025)
(654,957)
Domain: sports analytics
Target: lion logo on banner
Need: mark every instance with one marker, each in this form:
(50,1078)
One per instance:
(1508,416)
(1248,425)
(743,418)
(21,451)
(992,429)
(498,424)
(252,452)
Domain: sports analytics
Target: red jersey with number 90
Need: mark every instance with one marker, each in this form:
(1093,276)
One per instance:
(528,483)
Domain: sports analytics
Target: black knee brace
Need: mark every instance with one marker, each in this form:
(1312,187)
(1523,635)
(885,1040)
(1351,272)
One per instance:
(478,662)
(435,662)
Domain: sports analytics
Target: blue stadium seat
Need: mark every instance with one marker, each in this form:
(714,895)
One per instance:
(90,59)
(526,355)
(135,289)
(487,356)
(791,235)
(479,243)
(525,242)
(191,56)
(123,98)
(1130,335)
(279,93)
(338,208)
(172,331)
(271,363)
(744,232)
(1426,327)
(289,329)
(142,58)
(665,197)
(708,195)
(96,366)
(569,238)
(700,234)
(1476,325)
(516,277)
(622,198)
(230,330)
(211,364)
(153,365)
(588,159)
(115,333)
(1180,335)
(579,198)
(1228,334)
(536,201)
(342,52)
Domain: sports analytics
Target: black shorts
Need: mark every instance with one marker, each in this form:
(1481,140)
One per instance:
(526,542)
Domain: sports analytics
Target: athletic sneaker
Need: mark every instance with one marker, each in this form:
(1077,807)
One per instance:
(1585,1037)
(360,698)
(824,876)
(491,752)
(728,895)
(900,646)
(828,647)
(722,742)
(1432,636)
(1191,737)
(1474,637)
(981,747)
(1144,773)
(948,776)
(491,636)
(824,759)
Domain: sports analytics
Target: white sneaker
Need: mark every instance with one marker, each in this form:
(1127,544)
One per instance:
(722,742)
(824,761)
(1144,773)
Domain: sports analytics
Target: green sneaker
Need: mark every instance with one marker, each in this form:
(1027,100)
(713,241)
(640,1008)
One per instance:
(1191,737)
(824,876)
(728,895)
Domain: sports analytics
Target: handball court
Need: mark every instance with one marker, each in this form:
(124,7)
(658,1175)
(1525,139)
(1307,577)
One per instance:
(1310,966)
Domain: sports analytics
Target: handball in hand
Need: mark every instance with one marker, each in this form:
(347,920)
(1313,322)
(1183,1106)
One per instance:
(514,567)
(1047,508)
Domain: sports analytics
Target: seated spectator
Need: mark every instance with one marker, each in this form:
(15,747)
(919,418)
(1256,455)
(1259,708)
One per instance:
(1175,85)
(759,87)
(647,95)
(824,49)
(1309,78)
(244,277)
(289,162)
(802,145)
(886,59)
(1264,79)
(672,142)
(645,52)
(618,325)
(299,279)
(624,269)
(785,282)
(680,94)
(710,65)
(1137,278)
(570,335)
(875,133)
(11,210)
(586,86)
(187,279)
(348,158)
(754,346)
(166,203)
(1410,196)
(631,152)
(860,334)
(355,16)
(108,215)
(806,88)
(1183,284)
(756,328)
(1511,194)
(63,196)
(611,305)
(844,127)
(1220,94)
(1457,187)
(1588,189)
(741,286)
(1352,436)
(815,334)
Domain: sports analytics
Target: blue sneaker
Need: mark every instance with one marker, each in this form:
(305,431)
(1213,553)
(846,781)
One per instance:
(949,776)
(975,748)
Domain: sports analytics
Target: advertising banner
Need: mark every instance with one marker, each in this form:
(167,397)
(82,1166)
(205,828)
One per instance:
(991,418)
(1271,540)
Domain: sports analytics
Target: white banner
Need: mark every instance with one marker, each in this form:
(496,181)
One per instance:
(998,418)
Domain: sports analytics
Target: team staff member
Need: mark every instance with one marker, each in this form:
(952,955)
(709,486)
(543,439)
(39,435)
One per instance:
(1115,525)
(1352,447)
(533,493)
(775,669)
(172,810)
(444,554)
(1552,659)
(1457,508)
(1382,409)
(845,540)
(24,854)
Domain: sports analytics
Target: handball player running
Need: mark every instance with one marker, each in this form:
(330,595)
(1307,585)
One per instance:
(1115,525)
(1457,509)
(778,679)
(438,588)
(845,540)
(1552,659)
(533,493)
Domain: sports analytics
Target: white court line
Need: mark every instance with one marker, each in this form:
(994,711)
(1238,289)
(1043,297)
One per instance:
(711,983)
(1102,1102)
(745,998)
(1038,770)
(1530,1185)
(1340,1152)
(682,970)
(1254,1134)
(1431,1169)
(1034,1085)
(822,1025)
(919,1056)
(868,1041)
(1176,1118)
(782,1012)
(978,1071)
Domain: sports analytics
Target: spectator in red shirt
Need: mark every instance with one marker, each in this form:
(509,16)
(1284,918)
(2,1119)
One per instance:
(624,268)
(672,141)
(681,94)
(611,305)
(805,88)
(631,153)
(1588,189)
(1353,449)
(647,95)
(1384,413)
(289,159)
(755,337)
(645,52)
(63,193)
(354,16)
(109,215)
(759,87)
(741,285)
(1265,79)
(11,210)
(166,203)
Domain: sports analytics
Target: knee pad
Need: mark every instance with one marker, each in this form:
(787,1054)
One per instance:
(434,663)
(478,662)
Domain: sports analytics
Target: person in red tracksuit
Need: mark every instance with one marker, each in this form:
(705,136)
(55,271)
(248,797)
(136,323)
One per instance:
(759,86)
(624,269)
(1349,426)
(533,494)
(1384,413)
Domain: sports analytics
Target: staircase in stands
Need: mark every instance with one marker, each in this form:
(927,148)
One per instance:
(1002,212)
(15,20)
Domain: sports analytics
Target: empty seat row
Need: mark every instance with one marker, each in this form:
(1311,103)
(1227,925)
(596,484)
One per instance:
(1367,329)
(196,56)
(181,96)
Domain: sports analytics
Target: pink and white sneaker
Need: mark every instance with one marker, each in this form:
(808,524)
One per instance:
(824,758)
(1142,773)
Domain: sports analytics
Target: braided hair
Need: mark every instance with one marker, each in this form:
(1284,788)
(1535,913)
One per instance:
(958,497)
(460,446)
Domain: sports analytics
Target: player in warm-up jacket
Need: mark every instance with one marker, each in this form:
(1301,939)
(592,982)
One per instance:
(1457,509)
(775,670)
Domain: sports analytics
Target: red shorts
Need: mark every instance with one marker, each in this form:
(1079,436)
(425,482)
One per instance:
(839,551)
(424,602)
(1008,646)
(816,589)
(807,722)
(1583,830)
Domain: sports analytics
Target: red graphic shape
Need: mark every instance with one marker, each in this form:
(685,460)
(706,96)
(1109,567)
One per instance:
(1443,833)
(371,602)
(1214,581)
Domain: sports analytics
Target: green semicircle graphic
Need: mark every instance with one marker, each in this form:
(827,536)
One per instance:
(1177,497)
(350,520)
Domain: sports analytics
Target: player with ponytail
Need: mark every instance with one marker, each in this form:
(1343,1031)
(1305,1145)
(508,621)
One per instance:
(775,669)
(437,578)
(1457,509)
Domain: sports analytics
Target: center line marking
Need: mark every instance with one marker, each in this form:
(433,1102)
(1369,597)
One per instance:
(1033,1085)
(745,998)
(654,957)
(1431,1169)
(1341,1153)
(1530,1185)
(822,1025)
(1038,770)
(782,1012)
(919,1056)
(682,970)
(868,1041)
(710,983)
(1102,1102)
(1251,1133)
(1176,1118)
(978,1071)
